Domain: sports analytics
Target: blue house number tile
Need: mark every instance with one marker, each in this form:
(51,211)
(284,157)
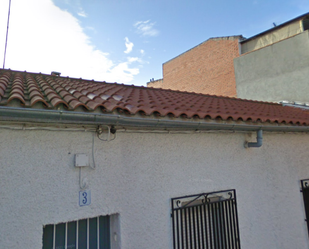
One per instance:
(84,198)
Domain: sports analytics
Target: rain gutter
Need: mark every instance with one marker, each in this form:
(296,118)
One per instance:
(71,117)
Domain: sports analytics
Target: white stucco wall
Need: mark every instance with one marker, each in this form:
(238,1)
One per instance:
(138,174)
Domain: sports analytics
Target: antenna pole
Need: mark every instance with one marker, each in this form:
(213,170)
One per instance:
(7,32)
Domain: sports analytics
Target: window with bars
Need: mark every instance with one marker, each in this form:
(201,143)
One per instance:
(93,233)
(206,221)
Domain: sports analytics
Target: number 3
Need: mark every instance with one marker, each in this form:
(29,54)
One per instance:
(85,198)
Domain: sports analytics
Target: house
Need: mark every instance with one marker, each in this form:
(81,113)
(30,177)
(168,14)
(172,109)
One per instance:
(274,64)
(207,68)
(270,66)
(87,164)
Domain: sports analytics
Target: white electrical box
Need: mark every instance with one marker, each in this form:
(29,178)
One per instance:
(81,160)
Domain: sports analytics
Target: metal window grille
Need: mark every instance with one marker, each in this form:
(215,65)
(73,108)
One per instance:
(91,233)
(305,191)
(206,221)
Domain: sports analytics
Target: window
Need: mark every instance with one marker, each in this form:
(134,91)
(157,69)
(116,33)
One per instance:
(305,190)
(91,233)
(207,220)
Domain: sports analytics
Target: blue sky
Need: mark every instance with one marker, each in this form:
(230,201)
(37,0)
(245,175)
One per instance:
(126,41)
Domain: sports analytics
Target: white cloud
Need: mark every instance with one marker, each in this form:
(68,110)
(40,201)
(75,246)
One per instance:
(91,29)
(81,12)
(44,38)
(145,28)
(142,51)
(125,73)
(136,59)
(133,59)
(129,45)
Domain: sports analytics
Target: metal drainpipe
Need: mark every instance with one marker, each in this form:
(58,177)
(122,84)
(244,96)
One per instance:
(259,140)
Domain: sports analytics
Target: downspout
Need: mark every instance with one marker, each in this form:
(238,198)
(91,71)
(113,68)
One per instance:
(259,140)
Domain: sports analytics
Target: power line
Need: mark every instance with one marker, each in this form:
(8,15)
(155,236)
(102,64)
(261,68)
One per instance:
(7,32)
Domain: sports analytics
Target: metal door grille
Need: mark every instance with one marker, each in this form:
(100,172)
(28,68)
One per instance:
(305,190)
(206,221)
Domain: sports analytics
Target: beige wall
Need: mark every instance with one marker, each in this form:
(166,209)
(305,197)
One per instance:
(272,37)
(275,73)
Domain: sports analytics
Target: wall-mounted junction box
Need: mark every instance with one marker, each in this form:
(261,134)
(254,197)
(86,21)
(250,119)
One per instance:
(81,160)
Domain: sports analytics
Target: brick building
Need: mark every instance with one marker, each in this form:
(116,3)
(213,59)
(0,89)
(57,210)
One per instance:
(207,68)
(155,83)
(269,66)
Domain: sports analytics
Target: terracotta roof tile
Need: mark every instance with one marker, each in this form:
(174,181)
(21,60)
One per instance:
(93,105)
(56,101)
(69,98)
(17,90)
(83,99)
(73,93)
(32,87)
(36,99)
(64,93)
(58,88)
(16,96)
(3,86)
(98,100)
(75,103)
(105,96)
(51,96)
(46,87)
(34,93)
(17,85)
(77,94)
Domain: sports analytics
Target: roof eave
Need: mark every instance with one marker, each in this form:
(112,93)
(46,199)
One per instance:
(66,117)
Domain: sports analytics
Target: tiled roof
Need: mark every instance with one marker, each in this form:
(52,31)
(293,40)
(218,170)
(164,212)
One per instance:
(30,90)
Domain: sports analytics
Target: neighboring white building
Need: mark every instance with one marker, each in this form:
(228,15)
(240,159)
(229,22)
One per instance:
(274,64)
(166,169)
